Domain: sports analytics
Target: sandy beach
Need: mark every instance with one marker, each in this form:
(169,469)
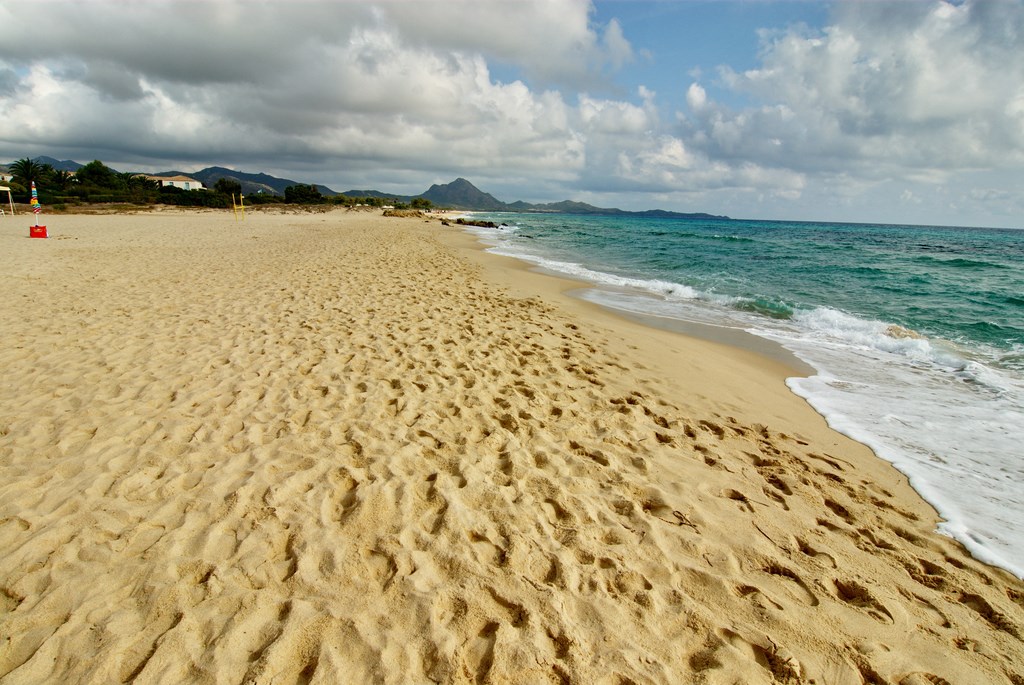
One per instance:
(344,448)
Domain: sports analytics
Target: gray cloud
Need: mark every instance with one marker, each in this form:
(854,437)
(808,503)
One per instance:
(9,80)
(326,81)
(359,94)
(551,41)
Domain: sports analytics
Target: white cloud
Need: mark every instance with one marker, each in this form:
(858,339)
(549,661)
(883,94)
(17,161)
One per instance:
(696,97)
(515,96)
(930,88)
(327,83)
(388,88)
(617,49)
(614,117)
(552,41)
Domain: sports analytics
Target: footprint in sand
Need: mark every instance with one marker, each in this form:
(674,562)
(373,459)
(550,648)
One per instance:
(479,655)
(810,551)
(780,665)
(518,615)
(994,617)
(856,595)
(793,583)
(381,565)
(487,551)
(555,512)
(342,501)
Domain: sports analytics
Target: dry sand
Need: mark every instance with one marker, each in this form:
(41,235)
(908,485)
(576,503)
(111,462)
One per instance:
(340,448)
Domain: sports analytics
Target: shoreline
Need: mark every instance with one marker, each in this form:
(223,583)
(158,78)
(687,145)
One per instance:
(891,433)
(765,364)
(328,446)
(732,337)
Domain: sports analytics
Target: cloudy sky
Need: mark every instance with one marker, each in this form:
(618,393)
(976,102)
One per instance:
(901,112)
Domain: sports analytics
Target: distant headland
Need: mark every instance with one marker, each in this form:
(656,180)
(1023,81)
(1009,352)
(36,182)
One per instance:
(459,194)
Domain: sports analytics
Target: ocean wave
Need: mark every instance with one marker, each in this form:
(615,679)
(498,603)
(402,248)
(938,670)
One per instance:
(773,309)
(690,235)
(730,238)
(959,263)
(668,290)
(1012,360)
(868,271)
(991,329)
(825,323)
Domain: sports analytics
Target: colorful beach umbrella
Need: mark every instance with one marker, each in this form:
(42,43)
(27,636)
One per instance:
(35,203)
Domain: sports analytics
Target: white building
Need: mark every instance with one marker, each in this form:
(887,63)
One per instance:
(183,182)
(5,175)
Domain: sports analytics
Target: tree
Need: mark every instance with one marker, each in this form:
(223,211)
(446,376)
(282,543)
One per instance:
(98,174)
(228,186)
(28,170)
(421,203)
(302,194)
(62,179)
(136,182)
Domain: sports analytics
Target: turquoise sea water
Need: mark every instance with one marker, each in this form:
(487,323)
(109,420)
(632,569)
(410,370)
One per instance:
(916,333)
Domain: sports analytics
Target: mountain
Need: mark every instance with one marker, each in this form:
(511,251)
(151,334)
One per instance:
(378,194)
(58,164)
(251,183)
(462,194)
(570,207)
(459,194)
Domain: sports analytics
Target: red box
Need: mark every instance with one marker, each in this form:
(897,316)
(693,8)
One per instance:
(37,231)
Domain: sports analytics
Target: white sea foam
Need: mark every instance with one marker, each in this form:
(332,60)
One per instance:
(947,418)
(950,423)
(946,439)
(666,289)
